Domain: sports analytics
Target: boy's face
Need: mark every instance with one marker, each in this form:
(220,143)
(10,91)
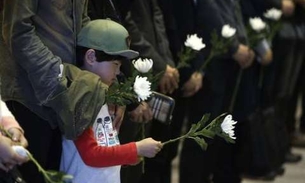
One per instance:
(107,70)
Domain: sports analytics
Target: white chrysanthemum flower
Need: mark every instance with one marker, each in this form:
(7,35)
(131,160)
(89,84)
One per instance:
(273,14)
(257,24)
(21,151)
(144,65)
(142,88)
(227,31)
(227,126)
(194,42)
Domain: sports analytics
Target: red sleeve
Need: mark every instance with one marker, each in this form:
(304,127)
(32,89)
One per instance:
(100,156)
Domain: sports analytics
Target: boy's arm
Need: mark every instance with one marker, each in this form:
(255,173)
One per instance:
(99,156)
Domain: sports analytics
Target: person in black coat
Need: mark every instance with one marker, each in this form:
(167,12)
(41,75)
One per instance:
(145,24)
(218,163)
(288,58)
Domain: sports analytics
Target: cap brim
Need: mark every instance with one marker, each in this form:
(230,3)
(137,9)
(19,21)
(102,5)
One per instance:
(129,54)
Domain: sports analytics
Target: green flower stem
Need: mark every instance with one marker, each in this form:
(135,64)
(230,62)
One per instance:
(236,88)
(40,169)
(275,27)
(176,139)
(189,134)
(208,60)
(185,57)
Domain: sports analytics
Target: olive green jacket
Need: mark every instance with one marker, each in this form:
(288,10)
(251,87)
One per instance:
(38,37)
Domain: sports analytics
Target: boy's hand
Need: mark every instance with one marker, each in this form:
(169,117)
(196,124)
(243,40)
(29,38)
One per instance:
(148,147)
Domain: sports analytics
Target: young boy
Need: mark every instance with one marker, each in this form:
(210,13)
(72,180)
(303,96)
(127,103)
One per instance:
(96,155)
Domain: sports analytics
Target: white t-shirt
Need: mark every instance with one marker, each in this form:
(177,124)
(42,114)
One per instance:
(72,163)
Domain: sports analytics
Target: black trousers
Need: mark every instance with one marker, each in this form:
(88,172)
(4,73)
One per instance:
(44,142)
(220,162)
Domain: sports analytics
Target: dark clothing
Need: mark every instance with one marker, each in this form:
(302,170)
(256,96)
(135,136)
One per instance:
(32,37)
(45,142)
(287,68)
(145,25)
(12,176)
(34,49)
(103,9)
(182,18)
(45,93)
(219,162)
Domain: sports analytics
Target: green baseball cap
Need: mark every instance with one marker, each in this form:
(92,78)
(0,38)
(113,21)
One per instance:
(107,36)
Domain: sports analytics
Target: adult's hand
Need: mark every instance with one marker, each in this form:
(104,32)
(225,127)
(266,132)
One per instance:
(142,113)
(8,157)
(193,85)
(169,81)
(288,7)
(117,113)
(267,58)
(18,137)
(244,56)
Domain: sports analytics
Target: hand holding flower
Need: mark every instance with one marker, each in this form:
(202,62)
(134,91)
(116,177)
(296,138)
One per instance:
(193,85)
(8,157)
(17,136)
(142,114)
(244,56)
(169,81)
(148,147)
(23,155)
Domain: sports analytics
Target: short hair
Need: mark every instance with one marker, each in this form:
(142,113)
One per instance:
(100,55)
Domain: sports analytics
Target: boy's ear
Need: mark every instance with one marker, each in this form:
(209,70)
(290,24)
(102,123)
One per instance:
(90,57)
